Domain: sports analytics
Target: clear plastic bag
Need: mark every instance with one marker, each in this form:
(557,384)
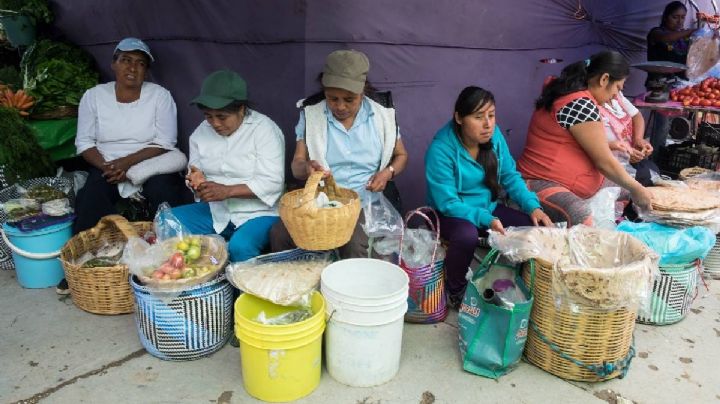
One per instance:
(520,244)
(287,283)
(604,269)
(21,208)
(381,217)
(602,206)
(417,247)
(290,317)
(57,207)
(703,54)
(168,226)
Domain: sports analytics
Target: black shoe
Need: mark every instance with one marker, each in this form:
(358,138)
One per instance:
(62,288)
(455,300)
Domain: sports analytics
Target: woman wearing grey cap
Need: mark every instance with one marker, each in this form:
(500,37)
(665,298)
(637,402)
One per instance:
(236,168)
(123,127)
(349,135)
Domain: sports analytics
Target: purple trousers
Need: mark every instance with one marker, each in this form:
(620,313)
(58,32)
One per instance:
(462,237)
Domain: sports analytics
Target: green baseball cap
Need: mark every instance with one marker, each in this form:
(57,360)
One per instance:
(220,89)
(346,69)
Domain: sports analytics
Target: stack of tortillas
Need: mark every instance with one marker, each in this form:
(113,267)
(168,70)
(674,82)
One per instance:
(683,207)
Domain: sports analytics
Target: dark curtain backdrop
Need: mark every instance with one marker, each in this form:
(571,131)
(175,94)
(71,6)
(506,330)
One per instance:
(424,51)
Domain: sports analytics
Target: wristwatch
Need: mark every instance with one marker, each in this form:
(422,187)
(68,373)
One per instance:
(392,170)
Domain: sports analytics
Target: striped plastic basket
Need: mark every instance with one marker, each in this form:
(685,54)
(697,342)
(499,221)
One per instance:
(712,261)
(191,325)
(426,293)
(672,295)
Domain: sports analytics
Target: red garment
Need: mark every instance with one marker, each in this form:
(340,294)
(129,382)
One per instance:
(552,153)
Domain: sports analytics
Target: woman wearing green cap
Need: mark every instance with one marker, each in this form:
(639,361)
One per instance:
(127,131)
(349,135)
(236,168)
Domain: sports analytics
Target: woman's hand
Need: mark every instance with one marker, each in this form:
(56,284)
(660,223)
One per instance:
(644,146)
(620,145)
(497,226)
(115,171)
(539,217)
(210,191)
(313,165)
(636,156)
(378,182)
(195,177)
(642,197)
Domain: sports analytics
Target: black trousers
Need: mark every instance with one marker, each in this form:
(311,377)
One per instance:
(98,197)
(643,168)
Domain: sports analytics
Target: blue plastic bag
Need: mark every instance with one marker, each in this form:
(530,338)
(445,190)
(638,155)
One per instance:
(675,246)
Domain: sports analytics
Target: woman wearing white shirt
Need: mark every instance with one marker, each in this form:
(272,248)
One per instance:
(625,130)
(236,168)
(121,124)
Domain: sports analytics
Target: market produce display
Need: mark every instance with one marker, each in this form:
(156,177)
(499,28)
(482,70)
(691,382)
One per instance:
(703,94)
(18,100)
(56,74)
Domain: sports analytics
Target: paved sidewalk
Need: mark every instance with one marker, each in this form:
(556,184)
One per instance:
(53,352)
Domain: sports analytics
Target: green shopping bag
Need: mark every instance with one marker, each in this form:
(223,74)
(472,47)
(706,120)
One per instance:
(492,336)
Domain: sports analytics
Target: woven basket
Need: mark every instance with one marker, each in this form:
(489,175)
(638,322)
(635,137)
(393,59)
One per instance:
(11,192)
(101,290)
(712,261)
(427,301)
(672,294)
(692,172)
(313,228)
(194,324)
(590,345)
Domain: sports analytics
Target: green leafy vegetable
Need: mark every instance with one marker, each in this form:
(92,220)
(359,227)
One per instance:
(21,157)
(37,9)
(56,74)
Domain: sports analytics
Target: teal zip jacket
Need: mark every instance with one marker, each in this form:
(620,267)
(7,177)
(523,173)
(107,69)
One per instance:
(455,180)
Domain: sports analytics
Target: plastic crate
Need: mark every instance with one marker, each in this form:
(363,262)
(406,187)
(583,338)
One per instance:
(684,155)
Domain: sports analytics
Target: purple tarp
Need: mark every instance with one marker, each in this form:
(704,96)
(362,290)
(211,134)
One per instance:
(424,51)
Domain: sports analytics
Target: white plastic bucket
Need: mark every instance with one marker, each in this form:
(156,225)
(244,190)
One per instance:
(366,300)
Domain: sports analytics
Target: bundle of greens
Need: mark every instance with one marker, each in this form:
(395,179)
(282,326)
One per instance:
(39,10)
(56,74)
(21,157)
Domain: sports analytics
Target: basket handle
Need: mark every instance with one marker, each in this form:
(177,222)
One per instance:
(307,201)
(434,226)
(27,254)
(118,222)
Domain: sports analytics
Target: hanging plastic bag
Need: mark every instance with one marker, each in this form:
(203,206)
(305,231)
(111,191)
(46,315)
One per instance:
(493,329)
(381,217)
(167,225)
(602,206)
(704,52)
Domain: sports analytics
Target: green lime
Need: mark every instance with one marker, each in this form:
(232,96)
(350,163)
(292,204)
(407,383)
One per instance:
(193,252)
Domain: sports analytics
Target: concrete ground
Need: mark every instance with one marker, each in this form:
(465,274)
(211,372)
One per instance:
(53,352)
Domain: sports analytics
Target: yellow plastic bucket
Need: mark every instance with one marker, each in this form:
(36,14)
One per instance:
(279,362)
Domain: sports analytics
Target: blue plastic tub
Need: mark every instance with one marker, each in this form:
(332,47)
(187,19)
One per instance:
(35,254)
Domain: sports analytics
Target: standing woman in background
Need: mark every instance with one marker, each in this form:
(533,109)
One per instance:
(668,43)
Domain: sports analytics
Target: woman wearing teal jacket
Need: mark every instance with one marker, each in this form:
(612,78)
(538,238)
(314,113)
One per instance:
(466,166)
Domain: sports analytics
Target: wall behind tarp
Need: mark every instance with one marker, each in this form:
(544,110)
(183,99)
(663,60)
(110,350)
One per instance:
(424,51)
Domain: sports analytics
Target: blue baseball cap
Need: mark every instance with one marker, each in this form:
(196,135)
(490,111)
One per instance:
(134,44)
